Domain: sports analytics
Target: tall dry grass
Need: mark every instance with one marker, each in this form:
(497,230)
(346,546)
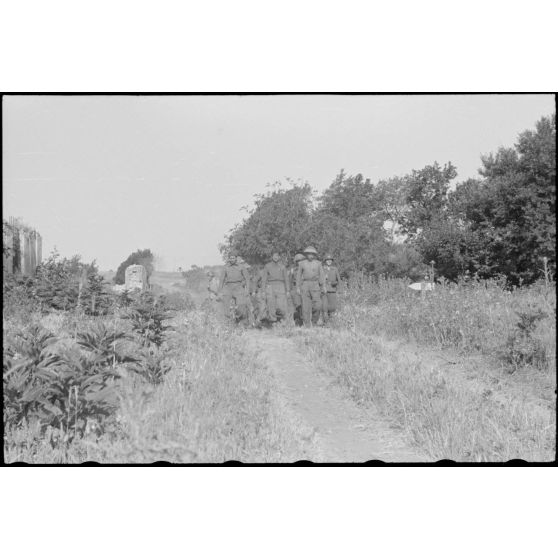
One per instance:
(457,413)
(474,316)
(452,368)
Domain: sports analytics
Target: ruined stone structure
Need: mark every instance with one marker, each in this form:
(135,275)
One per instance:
(136,277)
(22,249)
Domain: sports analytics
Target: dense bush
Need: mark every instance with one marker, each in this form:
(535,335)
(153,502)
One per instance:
(522,346)
(59,284)
(63,389)
(147,315)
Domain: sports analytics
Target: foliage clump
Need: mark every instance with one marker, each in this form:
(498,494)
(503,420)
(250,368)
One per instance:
(70,386)
(522,346)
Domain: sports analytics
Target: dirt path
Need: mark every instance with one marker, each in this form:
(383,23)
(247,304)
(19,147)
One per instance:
(342,432)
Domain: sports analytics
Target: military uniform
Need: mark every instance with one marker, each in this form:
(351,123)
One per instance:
(235,281)
(260,297)
(275,284)
(332,279)
(310,280)
(296,299)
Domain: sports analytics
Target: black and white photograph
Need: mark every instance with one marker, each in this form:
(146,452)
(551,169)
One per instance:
(279,278)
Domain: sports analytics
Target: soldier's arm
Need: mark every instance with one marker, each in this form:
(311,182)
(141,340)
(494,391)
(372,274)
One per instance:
(286,278)
(322,277)
(298,277)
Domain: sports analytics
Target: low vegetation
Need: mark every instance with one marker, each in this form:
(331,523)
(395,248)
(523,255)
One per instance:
(468,371)
(517,325)
(151,378)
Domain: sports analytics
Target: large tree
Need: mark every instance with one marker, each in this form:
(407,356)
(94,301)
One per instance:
(425,194)
(511,211)
(349,221)
(279,221)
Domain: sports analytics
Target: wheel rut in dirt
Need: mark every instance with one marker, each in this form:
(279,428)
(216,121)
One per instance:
(342,431)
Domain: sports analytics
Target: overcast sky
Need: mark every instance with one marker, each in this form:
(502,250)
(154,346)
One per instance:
(104,176)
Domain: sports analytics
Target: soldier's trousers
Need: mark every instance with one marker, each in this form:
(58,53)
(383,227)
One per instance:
(329,302)
(311,302)
(235,292)
(297,307)
(276,297)
(261,304)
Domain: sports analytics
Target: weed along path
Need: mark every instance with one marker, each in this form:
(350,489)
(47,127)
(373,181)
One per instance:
(340,431)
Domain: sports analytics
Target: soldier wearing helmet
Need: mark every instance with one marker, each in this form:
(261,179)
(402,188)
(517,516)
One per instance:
(332,280)
(234,285)
(310,284)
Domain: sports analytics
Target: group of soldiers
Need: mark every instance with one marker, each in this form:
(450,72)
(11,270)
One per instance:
(306,293)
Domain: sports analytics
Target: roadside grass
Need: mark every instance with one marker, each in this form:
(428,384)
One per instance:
(214,405)
(463,414)
(468,371)
(517,327)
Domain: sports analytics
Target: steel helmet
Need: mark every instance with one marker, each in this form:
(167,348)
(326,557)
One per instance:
(311,250)
(299,257)
(328,256)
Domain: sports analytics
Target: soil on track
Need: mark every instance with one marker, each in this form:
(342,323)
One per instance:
(341,432)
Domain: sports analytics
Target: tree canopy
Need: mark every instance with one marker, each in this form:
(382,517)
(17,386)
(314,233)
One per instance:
(503,222)
(280,222)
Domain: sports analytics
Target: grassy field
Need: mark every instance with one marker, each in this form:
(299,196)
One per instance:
(214,404)
(468,371)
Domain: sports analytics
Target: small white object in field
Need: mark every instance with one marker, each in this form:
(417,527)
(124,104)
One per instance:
(423,286)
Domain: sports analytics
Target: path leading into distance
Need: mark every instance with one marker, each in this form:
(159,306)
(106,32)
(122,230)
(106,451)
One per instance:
(342,431)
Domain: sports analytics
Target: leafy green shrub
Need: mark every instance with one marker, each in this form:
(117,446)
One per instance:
(152,367)
(147,315)
(125,299)
(95,299)
(18,297)
(56,283)
(105,345)
(64,391)
(521,346)
(27,363)
(67,284)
